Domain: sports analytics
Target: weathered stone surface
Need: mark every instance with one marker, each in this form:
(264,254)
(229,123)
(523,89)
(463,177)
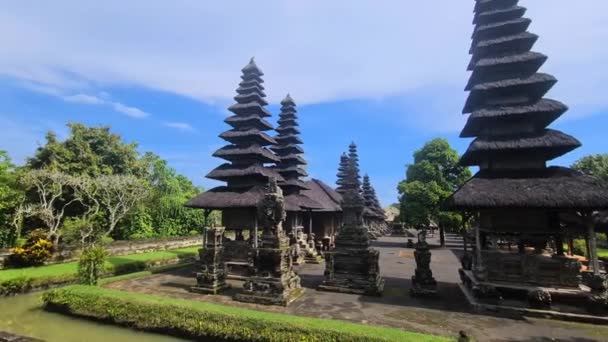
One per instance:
(212,277)
(423,283)
(353,267)
(8,337)
(273,280)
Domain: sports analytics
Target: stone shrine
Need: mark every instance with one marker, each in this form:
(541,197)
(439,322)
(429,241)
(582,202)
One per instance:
(353,267)
(273,280)
(212,277)
(423,283)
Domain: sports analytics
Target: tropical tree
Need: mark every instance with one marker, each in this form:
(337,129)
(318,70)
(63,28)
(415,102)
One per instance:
(51,196)
(117,195)
(11,197)
(90,151)
(433,176)
(594,165)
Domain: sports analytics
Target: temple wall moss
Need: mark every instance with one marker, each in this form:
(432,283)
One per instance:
(16,281)
(197,320)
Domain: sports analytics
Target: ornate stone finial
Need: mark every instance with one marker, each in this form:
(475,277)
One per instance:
(271,210)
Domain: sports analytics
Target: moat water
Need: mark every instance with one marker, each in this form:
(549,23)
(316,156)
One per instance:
(22,315)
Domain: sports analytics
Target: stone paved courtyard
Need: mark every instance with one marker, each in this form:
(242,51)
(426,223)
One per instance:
(445,315)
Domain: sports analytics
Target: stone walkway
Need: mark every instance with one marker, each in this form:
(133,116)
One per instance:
(445,315)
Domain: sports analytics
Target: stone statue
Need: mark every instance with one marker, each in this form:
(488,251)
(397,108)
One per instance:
(423,283)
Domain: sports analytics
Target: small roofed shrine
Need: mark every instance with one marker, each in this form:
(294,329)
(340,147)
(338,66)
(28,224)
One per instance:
(353,267)
(515,196)
(246,172)
(326,220)
(290,166)
(373,214)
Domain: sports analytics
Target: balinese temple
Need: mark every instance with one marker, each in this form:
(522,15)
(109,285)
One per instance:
(247,170)
(290,166)
(341,173)
(515,196)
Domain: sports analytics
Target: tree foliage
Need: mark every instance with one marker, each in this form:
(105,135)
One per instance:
(11,196)
(91,185)
(594,165)
(433,176)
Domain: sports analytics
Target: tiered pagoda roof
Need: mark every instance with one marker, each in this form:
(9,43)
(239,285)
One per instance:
(287,149)
(247,152)
(342,173)
(246,172)
(509,117)
(372,205)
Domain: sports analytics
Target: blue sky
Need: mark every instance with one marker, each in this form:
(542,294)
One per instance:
(388,75)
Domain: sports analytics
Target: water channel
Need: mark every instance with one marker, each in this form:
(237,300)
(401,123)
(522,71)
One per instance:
(22,315)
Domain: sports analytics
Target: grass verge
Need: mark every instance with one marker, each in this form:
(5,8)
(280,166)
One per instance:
(13,281)
(199,320)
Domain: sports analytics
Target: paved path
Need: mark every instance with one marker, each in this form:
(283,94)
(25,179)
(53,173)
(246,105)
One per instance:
(445,315)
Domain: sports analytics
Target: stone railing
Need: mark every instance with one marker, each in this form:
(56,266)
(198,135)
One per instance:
(70,253)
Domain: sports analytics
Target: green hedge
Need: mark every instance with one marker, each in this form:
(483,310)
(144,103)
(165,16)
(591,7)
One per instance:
(25,280)
(198,320)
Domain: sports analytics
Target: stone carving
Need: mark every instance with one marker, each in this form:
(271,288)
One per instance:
(273,280)
(423,283)
(597,301)
(539,299)
(212,277)
(353,267)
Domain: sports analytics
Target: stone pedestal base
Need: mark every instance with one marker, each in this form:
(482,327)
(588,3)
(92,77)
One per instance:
(210,290)
(270,291)
(424,288)
(353,271)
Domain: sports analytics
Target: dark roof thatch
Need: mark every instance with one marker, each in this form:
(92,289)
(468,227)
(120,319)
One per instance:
(323,194)
(552,188)
(224,198)
(298,202)
(544,112)
(547,143)
(227,171)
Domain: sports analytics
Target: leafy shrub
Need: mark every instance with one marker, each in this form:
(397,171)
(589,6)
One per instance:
(580,248)
(205,321)
(194,232)
(34,252)
(106,240)
(90,265)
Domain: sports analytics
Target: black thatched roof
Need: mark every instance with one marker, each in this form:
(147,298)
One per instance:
(287,149)
(323,194)
(544,111)
(546,144)
(551,188)
(247,151)
(226,198)
(226,172)
(299,202)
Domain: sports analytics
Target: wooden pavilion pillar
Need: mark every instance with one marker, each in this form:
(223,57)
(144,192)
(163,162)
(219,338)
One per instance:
(592,241)
(464,232)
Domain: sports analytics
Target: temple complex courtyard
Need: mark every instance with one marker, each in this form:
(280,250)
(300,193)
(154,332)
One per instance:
(446,315)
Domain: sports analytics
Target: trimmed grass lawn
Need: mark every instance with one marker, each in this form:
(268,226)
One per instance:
(111,263)
(202,319)
(602,252)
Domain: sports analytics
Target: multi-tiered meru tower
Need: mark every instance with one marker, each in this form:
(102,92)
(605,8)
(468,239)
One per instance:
(246,173)
(290,166)
(353,267)
(515,196)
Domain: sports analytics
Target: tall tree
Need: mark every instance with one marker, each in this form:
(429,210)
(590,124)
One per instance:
(433,176)
(595,165)
(10,199)
(91,151)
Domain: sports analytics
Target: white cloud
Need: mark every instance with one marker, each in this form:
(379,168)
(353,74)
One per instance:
(129,111)
(316,50)
(182,126)
(83,99)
